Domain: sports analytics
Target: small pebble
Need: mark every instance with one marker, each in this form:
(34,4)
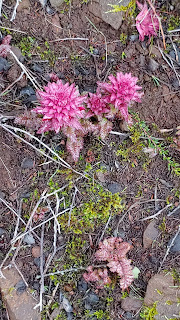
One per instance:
(82,286)
(27,91)
(27,163)
(176,245)
(114,187)
(4,64)
(20,287)
(153,65)
(66,305)
(92,298)
(36,252)
(28,239)
(36,68)
(2,231)
(133,37)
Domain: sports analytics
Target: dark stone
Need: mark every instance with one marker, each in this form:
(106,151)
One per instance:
(89,88)
(20,287)
(27,91)
(25,195)
(91,298)
(50,10)
(2,231)
(173,54)
(36,68)
(176,245)
(4,64)
(37,262)
(96,51)
(128,315)
(153,260)
(2,195)
(27,163)
(153,65)
(134,37)
(36,286)
(114,187)
(82,286)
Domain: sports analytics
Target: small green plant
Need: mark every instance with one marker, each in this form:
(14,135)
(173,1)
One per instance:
(174,22)
(26,45)
(129,9)
(148,313)
(123,38)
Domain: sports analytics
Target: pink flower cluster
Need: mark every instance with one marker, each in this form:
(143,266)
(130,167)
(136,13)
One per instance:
(5,46)
(112,250)
(147,22)
(100,276)
(119,93)
(61,106)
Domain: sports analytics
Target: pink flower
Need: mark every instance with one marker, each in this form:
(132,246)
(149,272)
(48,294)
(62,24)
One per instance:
(61,106)
(147,22)
(97,105)
(5,46)
(121,90)
(99,276)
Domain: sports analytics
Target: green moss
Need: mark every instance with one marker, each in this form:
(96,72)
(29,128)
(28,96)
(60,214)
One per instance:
(92,213)
(129,9)
(148,313)
(173,23)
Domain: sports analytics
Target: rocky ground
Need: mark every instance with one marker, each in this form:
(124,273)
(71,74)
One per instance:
(82,43)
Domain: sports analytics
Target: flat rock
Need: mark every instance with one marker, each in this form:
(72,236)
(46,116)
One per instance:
(112,18)
(56,3)
(150,234)
(28,239)
(27,163)
(161,289)
(36,251)
(176,245)
(153,65)
(24,4)
(19,306)
(131,304)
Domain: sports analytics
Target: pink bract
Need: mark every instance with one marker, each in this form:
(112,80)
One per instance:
(5,46)
(61,106)
(97,104)
(120,92)
(147,22)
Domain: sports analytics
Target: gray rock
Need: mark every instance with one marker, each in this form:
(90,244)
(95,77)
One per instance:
(27,91)
(35,67)
(176,245)
(19,306)
(131,304)
(56,3)
(92,298)
(161,290)
(2,231)
(27,163)
(112,18)
(28,239)
(4,64)
(69,316)
(134,37)
(153,65)
(20,287)
(150,234)
(43,2)
(18,53)
(114,187)
(66,305)
(173,54)
(82,286)
(50,10)
(2,195)
(128,315)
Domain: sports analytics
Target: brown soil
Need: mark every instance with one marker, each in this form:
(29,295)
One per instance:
(160,105)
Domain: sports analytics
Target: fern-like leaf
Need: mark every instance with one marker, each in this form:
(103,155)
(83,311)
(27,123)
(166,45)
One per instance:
(74,147)
(29,119)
